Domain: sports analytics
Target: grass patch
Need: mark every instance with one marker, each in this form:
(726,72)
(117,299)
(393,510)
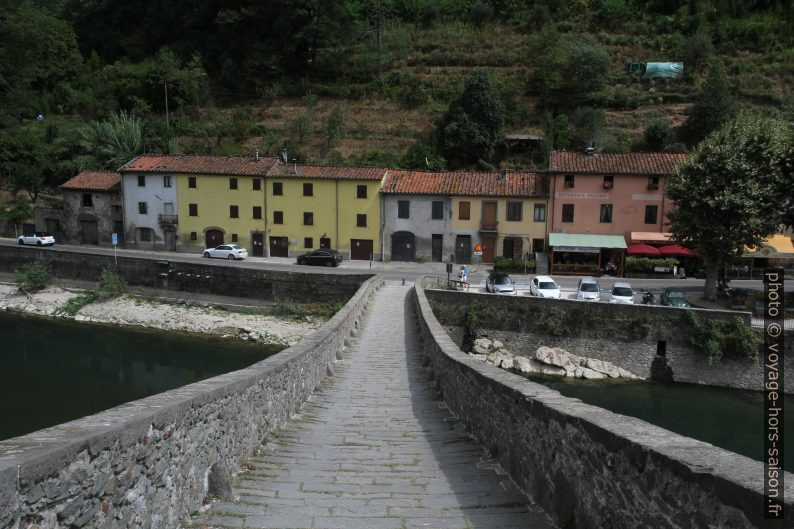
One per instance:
(34,276)
(75,304)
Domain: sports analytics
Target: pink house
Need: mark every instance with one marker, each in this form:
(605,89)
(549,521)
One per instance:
(615,194)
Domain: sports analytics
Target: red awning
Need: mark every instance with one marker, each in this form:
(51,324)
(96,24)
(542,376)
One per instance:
(676,250)
(642,250)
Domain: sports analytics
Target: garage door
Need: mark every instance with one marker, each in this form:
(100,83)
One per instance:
(403,246)
(279,247)
(361,249)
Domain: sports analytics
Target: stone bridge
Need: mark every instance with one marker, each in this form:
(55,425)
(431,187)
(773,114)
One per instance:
(376,421)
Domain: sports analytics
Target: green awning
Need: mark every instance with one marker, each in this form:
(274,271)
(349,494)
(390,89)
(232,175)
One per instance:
(576,241)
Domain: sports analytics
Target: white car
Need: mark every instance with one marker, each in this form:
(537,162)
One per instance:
(588,289)
(226,251)
(39,238)
(622,293)
(544,287)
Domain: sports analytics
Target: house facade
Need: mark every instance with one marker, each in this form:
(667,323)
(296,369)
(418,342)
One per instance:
(91,211)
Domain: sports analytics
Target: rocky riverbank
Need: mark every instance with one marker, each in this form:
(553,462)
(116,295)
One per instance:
(145,312)
(547,361)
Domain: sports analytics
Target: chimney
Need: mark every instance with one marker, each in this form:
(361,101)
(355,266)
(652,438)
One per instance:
(284,158)
(256,156)
(589,152)
(503,174)
(294,165)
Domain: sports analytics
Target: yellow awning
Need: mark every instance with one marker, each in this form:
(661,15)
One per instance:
(775,247)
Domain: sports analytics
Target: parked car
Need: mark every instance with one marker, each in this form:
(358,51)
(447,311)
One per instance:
(500,283)
(322,257)
(622,293)
(39,238)
(588,289)
(226,251)
(544,287)
(674,297)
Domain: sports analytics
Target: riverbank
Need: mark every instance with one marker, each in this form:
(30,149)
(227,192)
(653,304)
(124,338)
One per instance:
(180,315)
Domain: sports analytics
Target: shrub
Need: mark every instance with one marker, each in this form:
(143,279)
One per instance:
(717,339)
(34,276)
(647,264)
(658,135)
(507,264)
(111,284)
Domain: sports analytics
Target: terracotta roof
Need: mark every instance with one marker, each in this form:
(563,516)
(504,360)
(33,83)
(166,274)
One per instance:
(199,164)
(94,181)
(639,163)
(286,170)
(472,183)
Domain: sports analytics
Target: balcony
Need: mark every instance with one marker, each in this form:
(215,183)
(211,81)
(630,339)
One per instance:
(168,220)
(488,226)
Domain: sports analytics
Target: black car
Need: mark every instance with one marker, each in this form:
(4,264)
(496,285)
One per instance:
(323,257)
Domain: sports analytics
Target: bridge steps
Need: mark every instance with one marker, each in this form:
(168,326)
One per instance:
(375,448)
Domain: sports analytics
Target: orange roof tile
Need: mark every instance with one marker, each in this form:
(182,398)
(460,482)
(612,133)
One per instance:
(472,183)
(94,181)
(199,164)
(639,163)
(286,170)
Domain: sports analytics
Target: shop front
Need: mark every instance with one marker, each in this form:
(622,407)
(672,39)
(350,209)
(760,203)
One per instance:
(586,254)
(775,252)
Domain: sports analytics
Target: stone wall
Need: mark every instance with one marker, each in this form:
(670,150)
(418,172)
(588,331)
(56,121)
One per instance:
(206,276)
(586,466)
(150,463)
(628,336)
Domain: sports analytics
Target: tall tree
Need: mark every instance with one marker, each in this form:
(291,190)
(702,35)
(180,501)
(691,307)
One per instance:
(725,193)
(114,141)
(472,124)
(714,106)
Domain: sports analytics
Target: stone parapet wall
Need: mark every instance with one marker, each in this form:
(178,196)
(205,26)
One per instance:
(628,336)
(586,466)
(151,462)
(188,275)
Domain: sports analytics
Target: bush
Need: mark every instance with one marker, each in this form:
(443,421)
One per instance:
(647,264)
(34,276)
(507,264)
(717,339)
(111,284)
(658,135)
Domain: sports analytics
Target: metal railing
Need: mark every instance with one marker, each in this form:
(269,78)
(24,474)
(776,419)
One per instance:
(168,219)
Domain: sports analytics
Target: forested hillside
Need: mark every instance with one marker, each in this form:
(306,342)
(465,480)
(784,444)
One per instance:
(416,83)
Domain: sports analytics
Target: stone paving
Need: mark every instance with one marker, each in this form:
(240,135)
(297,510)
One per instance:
(375,448)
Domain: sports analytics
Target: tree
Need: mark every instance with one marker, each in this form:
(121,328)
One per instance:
(187,81)
(16,212)
(714,106)
(725,192)
(472,124)
(657,135)
(590,124)
(26,160)
(114,141)
(335,124)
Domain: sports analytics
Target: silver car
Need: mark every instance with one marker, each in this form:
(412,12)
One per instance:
(588,289)
(226,251)
(500,283)
(622,293)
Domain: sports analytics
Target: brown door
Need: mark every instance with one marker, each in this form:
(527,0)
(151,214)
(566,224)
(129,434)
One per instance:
(257,245)
(488,243)
(325,242)
(489,216)
(361,249)
(213,238)
(279,247)
(513,248)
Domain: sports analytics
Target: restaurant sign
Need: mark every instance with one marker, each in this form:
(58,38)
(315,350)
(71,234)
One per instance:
(565,194)
(576,249)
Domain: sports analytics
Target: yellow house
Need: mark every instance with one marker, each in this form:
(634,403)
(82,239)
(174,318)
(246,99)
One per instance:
(319,206)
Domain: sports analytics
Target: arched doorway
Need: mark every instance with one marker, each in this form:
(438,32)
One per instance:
(213,238)
(403,246)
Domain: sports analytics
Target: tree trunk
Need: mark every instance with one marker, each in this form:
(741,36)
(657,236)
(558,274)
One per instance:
(710,287)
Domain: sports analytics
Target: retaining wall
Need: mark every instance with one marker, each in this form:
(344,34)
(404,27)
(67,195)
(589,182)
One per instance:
(151,462)
(626,335)
(586,466)
(205,276)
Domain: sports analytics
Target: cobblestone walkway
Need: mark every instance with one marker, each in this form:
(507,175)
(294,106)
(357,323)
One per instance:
(375,448)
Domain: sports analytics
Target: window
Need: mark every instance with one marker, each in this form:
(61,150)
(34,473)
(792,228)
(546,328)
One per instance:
(608,181)
(192,210)
(540,213)
(167,181)
(193,236)
(650,214)
(653,182)
(232,183)
(308,242)
(88,200)
(234,237)
(257,184)
(233,212)
(308,190)
(567,212)
(438,210)
(191,182)
(403,209)
(278,189)
(278,217)
(308,218)
(361,220)
(116,208)
(606,213)
(145,235)
(569,180)
(142,208)
(361,191)
(141,180)
(514,211)
(257,212)
(464,211)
